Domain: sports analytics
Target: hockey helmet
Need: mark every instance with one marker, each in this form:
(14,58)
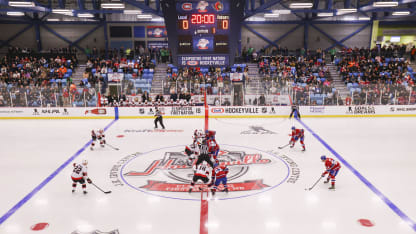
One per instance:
(293,128)
(323,157)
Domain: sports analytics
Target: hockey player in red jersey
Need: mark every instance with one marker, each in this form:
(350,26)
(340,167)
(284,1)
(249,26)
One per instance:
(213,147)
(332,169)
(97,135)
(219,176)
(297,134)
(79,175)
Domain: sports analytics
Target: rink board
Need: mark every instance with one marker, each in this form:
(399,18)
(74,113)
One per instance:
(214,112)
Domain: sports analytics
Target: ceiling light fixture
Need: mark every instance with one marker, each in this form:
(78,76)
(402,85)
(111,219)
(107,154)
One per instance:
(85,15)
(301,5)
(113,5)
(15,13)
(385,4)
(401,13)
(132,12)
(21,4)
(325,14)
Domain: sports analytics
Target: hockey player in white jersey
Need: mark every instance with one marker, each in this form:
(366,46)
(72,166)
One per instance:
(201,172)
(97,135)
(193,150)
(80,175)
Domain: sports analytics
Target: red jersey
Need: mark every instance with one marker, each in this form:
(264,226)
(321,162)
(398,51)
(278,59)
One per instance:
(297,133)
(212,146)
(331,164)
(220,172)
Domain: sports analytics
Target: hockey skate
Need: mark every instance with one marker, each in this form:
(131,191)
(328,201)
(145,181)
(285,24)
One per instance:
(332,187)
(85,192)
(291,146)
(73,190)
(303,149)
(91,148)
(213,192)
(190,190)
(226,190)
(326,181)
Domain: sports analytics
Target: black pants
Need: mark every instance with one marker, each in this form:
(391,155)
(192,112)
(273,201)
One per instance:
(206,158)
(160,120)
(297,114)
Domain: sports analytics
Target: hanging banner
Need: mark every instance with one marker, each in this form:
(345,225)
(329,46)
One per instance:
(156,31)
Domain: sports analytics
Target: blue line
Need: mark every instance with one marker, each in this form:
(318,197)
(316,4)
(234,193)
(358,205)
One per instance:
(116,112)
(392,206)
(47,180)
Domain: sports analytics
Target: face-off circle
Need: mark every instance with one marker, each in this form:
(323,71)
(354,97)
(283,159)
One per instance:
(167,173)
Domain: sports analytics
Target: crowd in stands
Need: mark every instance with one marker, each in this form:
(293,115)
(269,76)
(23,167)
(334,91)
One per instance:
(377,76)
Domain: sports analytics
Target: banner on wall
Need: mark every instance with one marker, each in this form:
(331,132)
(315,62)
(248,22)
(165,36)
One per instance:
(115,77)
(157,44)
(203,60)
(235,76)
(156,31)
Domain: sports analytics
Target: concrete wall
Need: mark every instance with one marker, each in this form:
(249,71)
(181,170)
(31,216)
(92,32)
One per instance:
(315,38)
(271,31)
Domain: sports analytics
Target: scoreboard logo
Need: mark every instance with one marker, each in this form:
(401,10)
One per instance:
(192,63)
(203,44)
(202,6)
(218,6)
(187,6)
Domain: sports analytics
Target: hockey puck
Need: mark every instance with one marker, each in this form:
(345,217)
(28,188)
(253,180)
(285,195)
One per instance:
(120,136)
(39,226)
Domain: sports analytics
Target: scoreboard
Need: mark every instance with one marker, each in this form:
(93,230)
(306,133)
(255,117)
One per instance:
(203,29)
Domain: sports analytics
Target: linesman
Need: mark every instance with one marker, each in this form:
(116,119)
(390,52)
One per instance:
(158,118)
(295,112)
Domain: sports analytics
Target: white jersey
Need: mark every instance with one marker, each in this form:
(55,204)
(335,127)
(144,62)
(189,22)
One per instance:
(80,171)
(202,170)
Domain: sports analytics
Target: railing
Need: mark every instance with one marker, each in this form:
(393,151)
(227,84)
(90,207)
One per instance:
(47,96)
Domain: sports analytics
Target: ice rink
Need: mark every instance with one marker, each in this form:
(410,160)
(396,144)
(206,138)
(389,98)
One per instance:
(149,177)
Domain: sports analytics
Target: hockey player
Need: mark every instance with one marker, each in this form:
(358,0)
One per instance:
(193,150)
(297,134)
(79,175)
(219,175)
(332,169)
(213,147)
(97,135)
(201,172)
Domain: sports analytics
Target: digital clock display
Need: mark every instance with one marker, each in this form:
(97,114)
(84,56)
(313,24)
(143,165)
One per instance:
(202,19)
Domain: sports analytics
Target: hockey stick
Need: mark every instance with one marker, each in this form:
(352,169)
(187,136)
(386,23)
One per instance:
(281,147)
(115,148)
(314,184)
(106,192)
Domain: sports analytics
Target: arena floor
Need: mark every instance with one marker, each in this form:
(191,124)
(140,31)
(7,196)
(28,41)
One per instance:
(148,177)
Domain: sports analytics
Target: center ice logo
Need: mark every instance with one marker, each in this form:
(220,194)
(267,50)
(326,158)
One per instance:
(167,174)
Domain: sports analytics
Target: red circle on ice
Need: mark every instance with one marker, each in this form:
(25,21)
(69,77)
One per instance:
(366,222)
(120,136)
(39,226)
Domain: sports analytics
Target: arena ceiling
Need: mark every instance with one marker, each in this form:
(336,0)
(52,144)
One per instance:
(255,10)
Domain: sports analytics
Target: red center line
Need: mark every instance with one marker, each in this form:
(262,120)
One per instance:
(203,229)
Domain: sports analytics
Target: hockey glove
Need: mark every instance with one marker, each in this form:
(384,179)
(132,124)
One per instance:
(89,181)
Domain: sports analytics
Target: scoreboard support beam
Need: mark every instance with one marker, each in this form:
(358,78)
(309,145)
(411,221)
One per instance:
(305,35)
(260,35)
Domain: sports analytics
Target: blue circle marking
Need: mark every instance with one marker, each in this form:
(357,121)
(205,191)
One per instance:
(190,199)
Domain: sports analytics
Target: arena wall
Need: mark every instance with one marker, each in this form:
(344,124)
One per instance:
(214,112)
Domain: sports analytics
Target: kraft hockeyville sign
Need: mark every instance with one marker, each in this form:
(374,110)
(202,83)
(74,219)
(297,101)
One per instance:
(165,172)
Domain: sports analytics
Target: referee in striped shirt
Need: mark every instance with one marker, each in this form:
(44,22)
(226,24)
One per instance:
(159,118)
